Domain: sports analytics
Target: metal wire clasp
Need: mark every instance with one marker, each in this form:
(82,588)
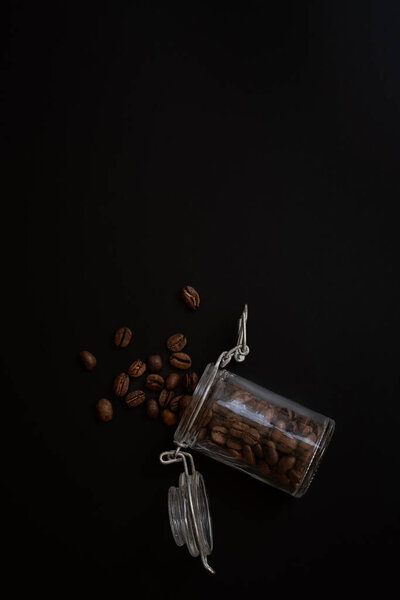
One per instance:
(241,350)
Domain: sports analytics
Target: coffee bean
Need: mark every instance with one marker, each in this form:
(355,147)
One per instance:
(190,297)
(135,398)
(264,468)
(237,429)
(121,384)
(104,410)
(152,408)
(162,398)
(202,434)
(248,455)
(176,342)
(270,453)
(174,403)
(180,360)
(258,450)
(207,417)
(234,453)
(122,337)
(218,435)
(285,463)
(88,360)
(286,444)
(154,363)
(251,436)
(168,417)
(234,444)
(137,368)
(294,475)
(184,402)
(172,381)
(189,382)
(154,382)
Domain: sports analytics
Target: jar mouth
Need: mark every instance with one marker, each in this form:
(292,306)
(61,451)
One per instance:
(199,396)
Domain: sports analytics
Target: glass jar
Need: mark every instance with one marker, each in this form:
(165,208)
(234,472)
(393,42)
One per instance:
(254,430)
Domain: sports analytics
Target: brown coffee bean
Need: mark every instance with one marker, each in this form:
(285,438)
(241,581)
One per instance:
(287,444)
(122,337)
(176,342)
(218,435)
(207,417)
(168,417)
(258,450)
(248,455)
(280,424)
(165,398)
(190,297)
(251,436)
(286,463)
(162,398)
(269,415)
(104,410)
(264,467)
(234,453)
(88,360)
(172,381)
(154,363)
(202,434)
(154,382)
(190,382)
(237,429)
(234,444)
(294,475)
(270,453)
(152,408)
(174,403)
(135,398)
(121,384)
(180,360)
(137,368)
(184,402)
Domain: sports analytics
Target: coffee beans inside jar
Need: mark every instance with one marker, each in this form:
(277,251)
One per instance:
(257,431)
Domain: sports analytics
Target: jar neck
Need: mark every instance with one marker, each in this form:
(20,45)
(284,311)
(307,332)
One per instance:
(200,395)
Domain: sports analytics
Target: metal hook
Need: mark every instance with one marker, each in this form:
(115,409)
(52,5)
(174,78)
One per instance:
(241,350)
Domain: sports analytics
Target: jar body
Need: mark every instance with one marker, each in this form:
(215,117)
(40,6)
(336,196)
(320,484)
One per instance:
(255,430)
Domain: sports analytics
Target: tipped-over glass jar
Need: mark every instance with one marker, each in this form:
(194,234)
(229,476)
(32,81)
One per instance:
(257,431)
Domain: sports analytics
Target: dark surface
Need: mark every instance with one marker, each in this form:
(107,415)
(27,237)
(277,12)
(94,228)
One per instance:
(254,155)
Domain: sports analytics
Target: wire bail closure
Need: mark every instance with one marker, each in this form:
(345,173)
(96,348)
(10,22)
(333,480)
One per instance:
(189,513)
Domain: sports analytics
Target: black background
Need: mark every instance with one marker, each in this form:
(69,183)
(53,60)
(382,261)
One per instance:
(254,154)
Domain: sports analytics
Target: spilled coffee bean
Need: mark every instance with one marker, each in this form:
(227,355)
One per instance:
(135,398)
(190,297)
(122,337)
(180,360)
(88,360)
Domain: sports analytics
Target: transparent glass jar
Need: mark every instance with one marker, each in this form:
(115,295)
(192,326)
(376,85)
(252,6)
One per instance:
(255,430)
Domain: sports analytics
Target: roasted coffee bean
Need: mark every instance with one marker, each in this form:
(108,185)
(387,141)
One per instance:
(135,398)
(280,424)
(162,398)
(137,368)
(190,297)
(104,410)
(154,363)
(270,453)
(176,342)
(264,468)
(237,429)
(258,450)
(294,475)
(121,384)
(184,402)
(234,444)
(152,408)
(286,445)
(207,417)
(154,382)
(286,463)
(122,337)
(168,417)
(248,455)
(172,381)
(202,434)
(218,435)
(189,382)
(165,398)
(174,403)
(251,436)
(180,360)
(88,360)
(234,453)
